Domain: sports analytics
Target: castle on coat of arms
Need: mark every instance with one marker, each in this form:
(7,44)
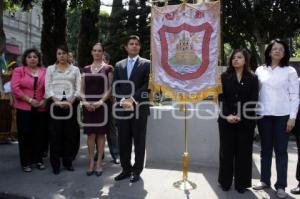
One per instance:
(185,53)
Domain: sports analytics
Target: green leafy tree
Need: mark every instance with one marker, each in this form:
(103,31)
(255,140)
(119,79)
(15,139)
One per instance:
(54,29)
(123,23)
(132,14)
(117,32)
(89,30)
(297,53)
(252,24)
(73,28)
(104,27)
(144,27)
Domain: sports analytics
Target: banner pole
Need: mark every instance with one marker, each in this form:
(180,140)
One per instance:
(185,184)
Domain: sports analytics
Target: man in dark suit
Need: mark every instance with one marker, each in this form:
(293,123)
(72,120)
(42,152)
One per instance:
(130,88)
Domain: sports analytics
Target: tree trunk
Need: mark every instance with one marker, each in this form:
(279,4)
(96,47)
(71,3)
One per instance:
(144,28)
(116,8)
(253,56)
(88,35)
(131,18)
(2,34)
(142,21)
(54,29)
(261,46)
(2,40)
(47,44)
(60,22)
(117,31)
(261,49)
(222,50)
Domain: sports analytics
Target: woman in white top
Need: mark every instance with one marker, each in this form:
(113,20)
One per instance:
(278,106)
(62,85)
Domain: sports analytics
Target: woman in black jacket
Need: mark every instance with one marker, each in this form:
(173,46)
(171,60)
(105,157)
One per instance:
(237,122)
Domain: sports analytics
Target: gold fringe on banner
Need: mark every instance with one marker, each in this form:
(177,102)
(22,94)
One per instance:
(181,97)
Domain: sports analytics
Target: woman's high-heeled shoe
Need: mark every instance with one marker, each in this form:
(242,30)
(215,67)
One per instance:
(99,170)
(99,173)
(90,172)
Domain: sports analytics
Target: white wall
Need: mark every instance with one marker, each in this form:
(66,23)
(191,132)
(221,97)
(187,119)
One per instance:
(165,136)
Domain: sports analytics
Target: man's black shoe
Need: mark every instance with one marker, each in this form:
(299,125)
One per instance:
(241,190)
(116,161)
(56,171)
(296,190)
(70,168)
(224,188)
(134,177)
(122,176)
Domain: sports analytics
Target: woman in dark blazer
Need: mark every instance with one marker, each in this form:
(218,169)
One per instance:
(237,122)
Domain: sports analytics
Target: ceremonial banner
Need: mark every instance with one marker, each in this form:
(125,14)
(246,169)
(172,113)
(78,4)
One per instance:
(185,50)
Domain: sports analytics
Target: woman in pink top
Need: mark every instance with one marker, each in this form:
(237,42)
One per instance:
(28,88)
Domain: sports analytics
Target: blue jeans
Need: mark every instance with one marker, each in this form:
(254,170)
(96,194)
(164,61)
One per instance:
(272,130)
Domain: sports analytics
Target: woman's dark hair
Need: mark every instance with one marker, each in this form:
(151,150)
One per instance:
(63,48)
(107,56)
(285,60)
(247,68)
(35,51)
(98,43)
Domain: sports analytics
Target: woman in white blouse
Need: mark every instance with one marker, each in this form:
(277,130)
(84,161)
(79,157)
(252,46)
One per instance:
(278,106)
(62,85)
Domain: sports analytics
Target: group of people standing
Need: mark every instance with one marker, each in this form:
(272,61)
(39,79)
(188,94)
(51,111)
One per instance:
(52,103)
(269,98)
(47,100)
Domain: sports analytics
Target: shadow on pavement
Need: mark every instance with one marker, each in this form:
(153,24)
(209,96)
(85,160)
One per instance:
(11,196)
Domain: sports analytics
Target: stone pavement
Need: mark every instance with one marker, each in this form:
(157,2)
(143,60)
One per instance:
(156,182)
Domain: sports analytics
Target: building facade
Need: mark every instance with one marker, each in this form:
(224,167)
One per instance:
(23,31)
